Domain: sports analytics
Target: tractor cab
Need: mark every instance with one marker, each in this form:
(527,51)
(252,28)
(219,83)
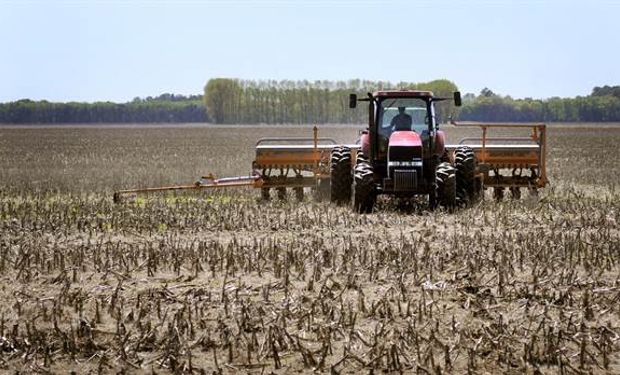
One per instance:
(402,114)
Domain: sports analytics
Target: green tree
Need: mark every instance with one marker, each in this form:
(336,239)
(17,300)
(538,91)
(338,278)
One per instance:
(221,98)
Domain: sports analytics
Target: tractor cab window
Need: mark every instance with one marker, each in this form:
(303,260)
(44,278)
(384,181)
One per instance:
(401,114)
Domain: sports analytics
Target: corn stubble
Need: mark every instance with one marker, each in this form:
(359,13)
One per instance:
(220,283)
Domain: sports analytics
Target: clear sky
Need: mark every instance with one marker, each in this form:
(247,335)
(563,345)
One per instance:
(116,50)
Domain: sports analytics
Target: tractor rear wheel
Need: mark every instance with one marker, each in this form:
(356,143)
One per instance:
(364,193)
(445,185)
(341,178)
(467,190)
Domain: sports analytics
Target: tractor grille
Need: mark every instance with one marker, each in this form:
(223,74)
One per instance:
(405,179)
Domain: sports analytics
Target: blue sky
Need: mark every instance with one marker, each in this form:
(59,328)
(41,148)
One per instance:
(117,50)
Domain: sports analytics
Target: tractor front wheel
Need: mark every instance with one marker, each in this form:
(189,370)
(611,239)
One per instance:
(341,179)
(364,193)
(445,185)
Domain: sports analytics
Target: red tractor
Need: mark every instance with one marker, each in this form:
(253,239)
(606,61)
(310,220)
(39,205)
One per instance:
(402,153)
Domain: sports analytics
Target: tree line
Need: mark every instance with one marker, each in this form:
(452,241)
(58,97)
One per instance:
(234,101)
(168,108)
(303,102)
(602,105)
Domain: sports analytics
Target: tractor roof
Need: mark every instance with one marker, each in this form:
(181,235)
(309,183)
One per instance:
(403,94)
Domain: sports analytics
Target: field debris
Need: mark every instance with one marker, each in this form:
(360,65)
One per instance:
(224,284)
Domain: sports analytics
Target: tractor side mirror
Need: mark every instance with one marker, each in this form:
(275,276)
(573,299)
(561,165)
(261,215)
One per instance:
(457,98)
(352,100)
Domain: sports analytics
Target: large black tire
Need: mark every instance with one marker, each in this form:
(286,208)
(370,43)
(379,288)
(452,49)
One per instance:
(445,185)
(341,179)
(364,192)
(467,190)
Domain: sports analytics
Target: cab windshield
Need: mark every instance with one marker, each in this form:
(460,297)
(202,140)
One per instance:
(402,114)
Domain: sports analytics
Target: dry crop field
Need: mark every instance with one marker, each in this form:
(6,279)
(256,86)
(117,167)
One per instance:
(221,283)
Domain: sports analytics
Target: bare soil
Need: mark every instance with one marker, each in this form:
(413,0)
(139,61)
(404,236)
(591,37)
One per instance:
(223,283)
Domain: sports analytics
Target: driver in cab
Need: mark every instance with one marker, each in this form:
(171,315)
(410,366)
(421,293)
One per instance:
(401,121)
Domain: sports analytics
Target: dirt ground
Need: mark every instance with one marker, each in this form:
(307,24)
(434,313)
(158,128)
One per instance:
(224,283)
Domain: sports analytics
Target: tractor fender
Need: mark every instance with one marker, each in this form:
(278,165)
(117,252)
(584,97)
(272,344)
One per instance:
(365,142)
(440,143)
